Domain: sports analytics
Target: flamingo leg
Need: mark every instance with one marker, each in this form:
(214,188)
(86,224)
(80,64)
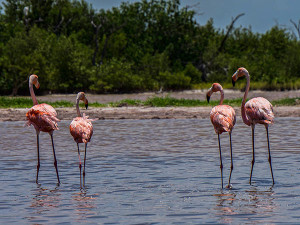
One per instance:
(38,156)
(231,167)
(55,161)
(253,153)
(270,160)
(79,162)
(221,164)
(84,164)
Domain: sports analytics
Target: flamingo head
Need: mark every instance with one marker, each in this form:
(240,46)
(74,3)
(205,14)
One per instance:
(81,96)
(239,73)
(33,79)
(214,88)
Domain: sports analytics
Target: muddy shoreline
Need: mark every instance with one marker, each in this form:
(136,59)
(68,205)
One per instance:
(116,113)
(154,112)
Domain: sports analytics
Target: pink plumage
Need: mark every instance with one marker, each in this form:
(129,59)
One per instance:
(259,110)
(81,129)
(42,117)
(223,119)
(256,110)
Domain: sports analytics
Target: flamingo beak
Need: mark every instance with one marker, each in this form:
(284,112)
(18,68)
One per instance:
(234,78)
(86,104)
(37,85)
(208,94)
(233,83)
(208,98)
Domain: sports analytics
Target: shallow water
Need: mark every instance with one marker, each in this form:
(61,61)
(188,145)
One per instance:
(150,172)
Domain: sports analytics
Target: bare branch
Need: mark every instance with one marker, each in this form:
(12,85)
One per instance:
(297,27)
(228,31)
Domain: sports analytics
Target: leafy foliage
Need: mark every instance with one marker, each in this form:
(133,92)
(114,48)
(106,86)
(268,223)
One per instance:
(148,45)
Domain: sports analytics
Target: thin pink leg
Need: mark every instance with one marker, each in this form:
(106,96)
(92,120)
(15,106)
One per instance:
(231,167)
(79,163)
(270,160)
(38,157)
(221,164)
(84,164)
(253,153)
(55,161)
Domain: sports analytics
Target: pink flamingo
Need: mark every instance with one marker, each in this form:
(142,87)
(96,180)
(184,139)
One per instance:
(81,129)
(223,119)
(256,110)
(43,118)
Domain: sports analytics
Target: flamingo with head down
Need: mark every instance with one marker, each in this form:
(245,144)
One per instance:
(223,119)
(43,118)
(81,129)
(256,110)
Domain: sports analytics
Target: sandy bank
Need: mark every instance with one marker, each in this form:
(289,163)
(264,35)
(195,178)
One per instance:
(140,113)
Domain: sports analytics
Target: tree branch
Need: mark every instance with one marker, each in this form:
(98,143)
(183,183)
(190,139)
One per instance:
(228,31)
(297,27)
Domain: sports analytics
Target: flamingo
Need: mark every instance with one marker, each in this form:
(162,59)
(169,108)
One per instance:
(223,119)
(81,129)
(256,110)
(43,118)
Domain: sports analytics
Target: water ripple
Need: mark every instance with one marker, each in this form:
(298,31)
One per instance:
(150,172)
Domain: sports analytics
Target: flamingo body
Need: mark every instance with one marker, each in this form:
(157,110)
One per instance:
(259,110)
(42,117)
(256,110)
(81,129)
(223,118)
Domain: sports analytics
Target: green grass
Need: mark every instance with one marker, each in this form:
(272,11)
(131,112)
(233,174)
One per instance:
(15,102)
(23,102)
(286,102)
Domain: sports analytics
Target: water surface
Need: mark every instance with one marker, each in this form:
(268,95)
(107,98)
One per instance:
(150,172)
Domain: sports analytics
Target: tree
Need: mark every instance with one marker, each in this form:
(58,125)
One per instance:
(23,56)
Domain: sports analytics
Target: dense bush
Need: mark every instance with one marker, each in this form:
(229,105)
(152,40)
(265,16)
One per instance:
(141,46)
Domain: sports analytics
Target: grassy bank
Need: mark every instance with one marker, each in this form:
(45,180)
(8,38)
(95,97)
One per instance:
(23,102)
(264,86)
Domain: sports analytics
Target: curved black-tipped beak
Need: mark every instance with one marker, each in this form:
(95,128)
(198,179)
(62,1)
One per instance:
(208,98)
(233,83)
(86,105)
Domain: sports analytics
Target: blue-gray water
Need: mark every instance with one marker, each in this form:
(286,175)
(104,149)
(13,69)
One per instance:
(150,172)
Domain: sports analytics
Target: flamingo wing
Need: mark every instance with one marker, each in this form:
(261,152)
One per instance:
(259,110)
(81,129)
(42,117)
(223,118)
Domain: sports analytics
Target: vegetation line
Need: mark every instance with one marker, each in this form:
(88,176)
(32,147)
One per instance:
(23,102)
(138,46)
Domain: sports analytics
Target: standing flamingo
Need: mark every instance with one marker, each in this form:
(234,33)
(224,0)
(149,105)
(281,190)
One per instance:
(81,129)
(223,119)
(256,110)
(43,118)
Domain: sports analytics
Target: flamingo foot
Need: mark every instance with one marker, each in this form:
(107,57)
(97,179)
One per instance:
(229,186)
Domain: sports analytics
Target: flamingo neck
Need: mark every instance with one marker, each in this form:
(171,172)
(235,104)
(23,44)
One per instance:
(243,110)
(222,97)
(77,108)
(34,100)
